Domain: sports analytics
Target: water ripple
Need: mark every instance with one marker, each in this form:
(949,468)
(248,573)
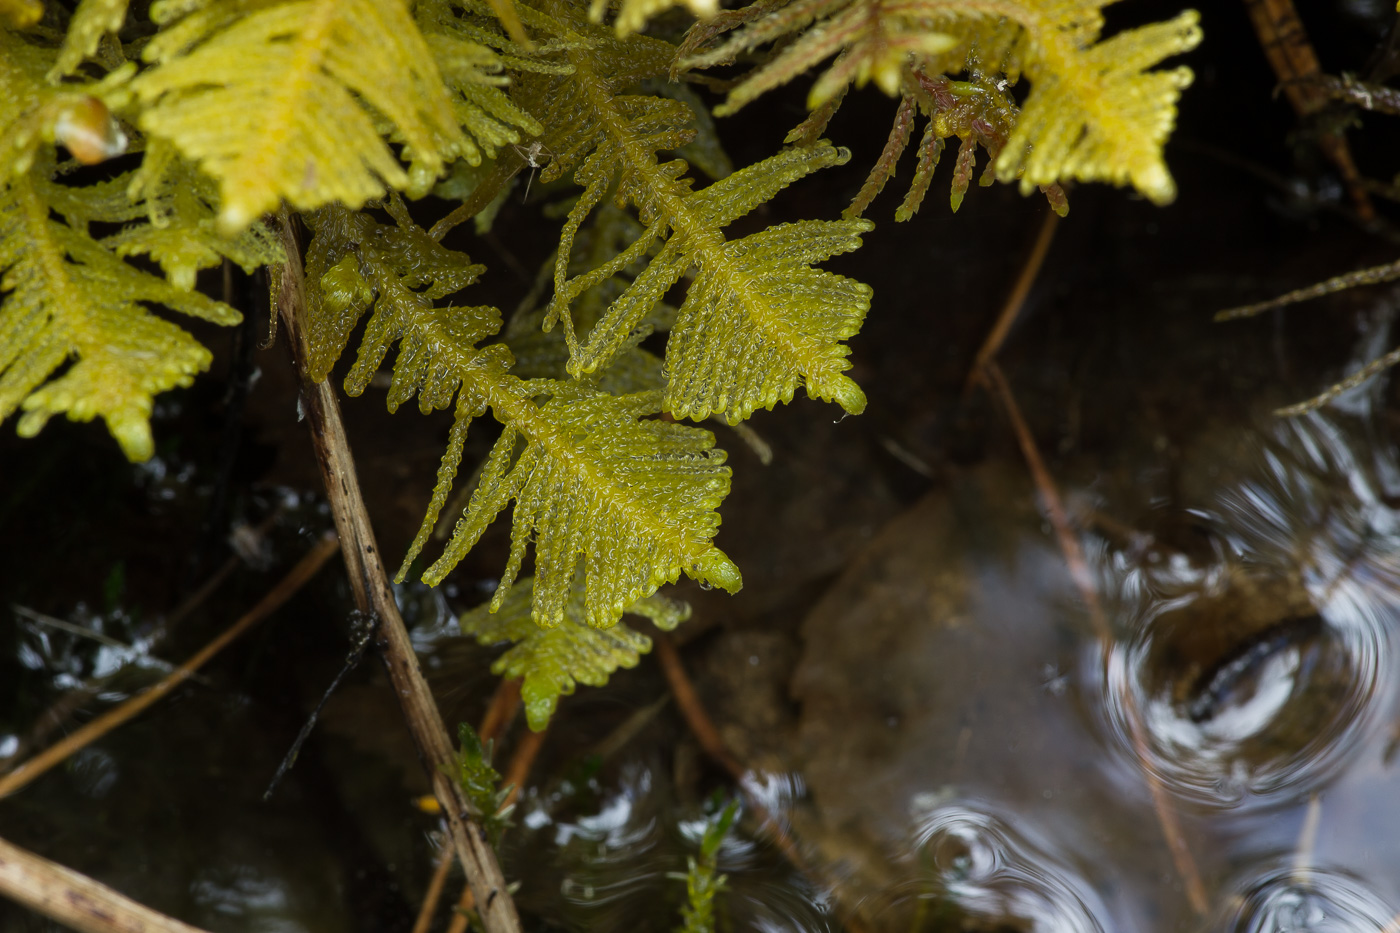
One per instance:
(1256,677)
(993,868)
(1286,900)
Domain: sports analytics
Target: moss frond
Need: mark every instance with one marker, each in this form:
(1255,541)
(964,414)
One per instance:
(280,100)
(978,113)
(68,298)
(34,112)
(1095,112)
(758,320)
(92,20)
(180,229)
(552,661)
(597,486)
(632,15)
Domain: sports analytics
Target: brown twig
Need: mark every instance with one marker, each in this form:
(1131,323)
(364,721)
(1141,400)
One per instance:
(73,700)
(504,704)
(521,761)
(1285,43)
(369,584)
(526,751)
(1084,581)
(294,580)
(713,744)
(505,701)
(74,899)
(434,893)
(1030,270)
(694,711)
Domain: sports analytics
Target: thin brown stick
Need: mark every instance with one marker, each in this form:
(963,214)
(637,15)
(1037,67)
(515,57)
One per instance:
(1011,309)
(1285,43)
(74,899)
(694,711)
(369,584)
(713,744)
(294,580)
(462,912)
(526,751)
(1054,507)
(73,700)
(504,704)
(434,893)
(1084,581)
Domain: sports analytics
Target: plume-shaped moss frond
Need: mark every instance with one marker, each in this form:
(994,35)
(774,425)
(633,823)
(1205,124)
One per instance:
(759,321)
(1094,113)
(69,298)
(358,260)
(180,231)
(553,660)
(21,14)
(544,354)
(599,484)
(632,15)
(1097,114)
(279,100)
(92,20)
(630,501)
(472,57)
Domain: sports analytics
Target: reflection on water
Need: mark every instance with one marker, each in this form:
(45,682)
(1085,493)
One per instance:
(995,871)
(1291,900)
(620,863)
(1256,684)
(952,674)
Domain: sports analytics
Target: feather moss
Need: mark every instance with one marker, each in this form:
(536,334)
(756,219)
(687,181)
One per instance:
(1096,112)
(599,488)
(758,321)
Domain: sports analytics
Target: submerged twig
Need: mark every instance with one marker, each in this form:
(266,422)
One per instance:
(1084,582)
(703,728)
(304,570)
(504,704)
(693,710)
(1011,309)
(62,709)
(74,899)
(435,887)
(369,584)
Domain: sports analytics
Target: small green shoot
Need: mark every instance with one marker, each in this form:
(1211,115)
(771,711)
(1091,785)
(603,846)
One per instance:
(702,883)
(481,784)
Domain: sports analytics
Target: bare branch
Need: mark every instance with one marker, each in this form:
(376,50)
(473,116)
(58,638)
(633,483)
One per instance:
(370,586)
(76,900)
